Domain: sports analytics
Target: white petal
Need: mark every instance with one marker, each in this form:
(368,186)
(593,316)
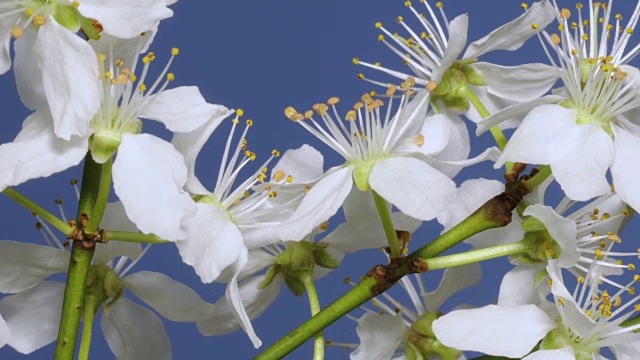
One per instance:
(563,231)
(72,86)
(458,29)
(254,300)
(37,152)
(321,202)
(380,336)
(457,149)
(213,242)
(512,35)
(6,24)
(5,334)
(258,261)
(506,81)
(518,288)
(148,176)
(516,111)
(624,172)
(33,316)
(494,105)
(490,154)
(469,197)
(234,297)
(28,74)
(580,164)
(541,134)
(182,109)
(626,351)
(304,164)
(172,299)
(436,130)
(453,280)
(126,50)
(25,265)
(135,333)
(494,330)
(566,353)
(413,186)
(126,18)
(190,144)
(115,218)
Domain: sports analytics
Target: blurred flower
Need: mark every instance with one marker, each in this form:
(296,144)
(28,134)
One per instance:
(582,130)
(56,64)
(37,152)
(233,219)
(577,327)
(33,314)
(402,332)
(434,57)
(5,334)
(389,152)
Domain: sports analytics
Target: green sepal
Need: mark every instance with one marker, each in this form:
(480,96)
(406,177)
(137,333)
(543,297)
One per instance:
(544,274)
(88,29)
(531,224)
(424,343)
(67,16)
(411,352)
(474,77)
(324,259)
(295,285)
(457,103)
(104,144)
(269,276)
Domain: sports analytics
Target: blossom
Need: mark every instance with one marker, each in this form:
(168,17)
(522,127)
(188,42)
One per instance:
(382,336)
(127,98)
(582,130)
(577,327)
(434,55)
(390,152)
(33,313)
(361,230)
(55,69)
(5,333)
(235,218)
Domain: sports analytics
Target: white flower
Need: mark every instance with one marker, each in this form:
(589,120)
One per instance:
(33,314)
(385,151)
(437,47)
(56,64)
(582,130)
(404,329)
(5,333)
(127,98)
(233,219)
(580,324)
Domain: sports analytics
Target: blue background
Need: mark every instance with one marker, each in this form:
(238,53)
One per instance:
(263,56)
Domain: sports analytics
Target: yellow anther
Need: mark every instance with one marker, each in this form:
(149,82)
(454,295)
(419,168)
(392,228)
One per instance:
(17,31)
(107,75)
(565,13)
(560,301)
(636,277)
(366,98)
(581,280)
(321,109)
(332,101)
(578,6)
(378,25)
(273,194)
(614,237)
(631,290)
(235,121)
(146,60)
(171,77)
(76,4)
(605,216)
(629,31)
(275,153)
(420,140)
(599,254)
(118,63)
(28,13)
(360,76)
(239,112)
(585,37)
(618,262)
(247,153)
(588,313)
(636,307)
(142,87)
(249,122)
(534,26)
(297,117)
(356,61)
(175,51)
(407,3)
(391,90)
(524,6)
(39,20)
(289,112)
(372,93)
(561,27)
(121,79)
(555,39)
(380,37)
(308,114)
(102,57)
(289,179)
(617,302)
(550,282)
(574,51)
(631,267)
(133,77)
(439,5)
(351,116)
(432,85)
(399,19)
(411,82)
(324,226)
(358,105)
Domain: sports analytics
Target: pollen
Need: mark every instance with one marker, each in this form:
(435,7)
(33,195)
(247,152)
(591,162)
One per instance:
(356,61)
(360,76)
(175,51)
(239,112)
(17,31)
(407,3)
(534,26)
(439,5)
(39,20)
(275,153)
(171,77)
(525,6)
(142,87)
(380,37)
(289,179)
(378,25)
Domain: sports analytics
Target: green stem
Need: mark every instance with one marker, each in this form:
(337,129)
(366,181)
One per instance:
(387,224)
(134,237)
(87,329)
(314,304)
(543,173)
(479,255)
(102,198)
(44,214)
(79,264)
(634,321)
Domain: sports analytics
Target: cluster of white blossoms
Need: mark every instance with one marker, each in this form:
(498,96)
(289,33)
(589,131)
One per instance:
(259,226)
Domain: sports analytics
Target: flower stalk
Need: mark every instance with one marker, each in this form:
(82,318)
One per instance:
(387,223)
(102,197)
(87,328)
(314,305)
(474,256)
(126,236)
(40,211)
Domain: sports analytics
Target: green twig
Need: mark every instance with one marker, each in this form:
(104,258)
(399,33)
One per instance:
(44,214)
(102,198)
(314,305)
(134,237)
(387,223)
(475,256)
(87,328)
